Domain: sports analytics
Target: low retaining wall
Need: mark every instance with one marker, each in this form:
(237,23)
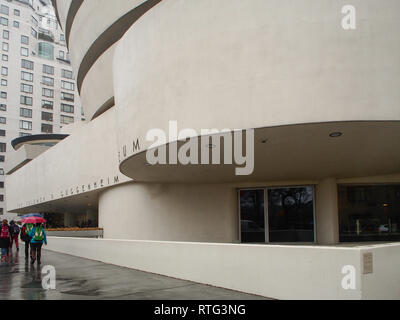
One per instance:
(281,272)
(76,234)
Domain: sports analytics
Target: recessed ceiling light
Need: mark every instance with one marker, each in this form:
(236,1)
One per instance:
(336,134)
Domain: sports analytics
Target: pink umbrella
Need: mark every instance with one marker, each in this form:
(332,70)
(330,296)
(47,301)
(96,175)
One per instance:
(33,220)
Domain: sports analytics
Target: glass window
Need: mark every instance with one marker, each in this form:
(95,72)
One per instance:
(26,113)
(24,52)
(26,64)
(6,34)
(46,104)
(3,94)
(34,33)
(67,85)
(3,120)
(2,158)
(4,21)
(24,40)
(47,92)
(47,116)
(34,21)
(48,69)
(25,125)
(4,82)
(3,107)
(4,57)
(67,120)
(67,96)
(66,74)
(26,76)
(4,9)
(24,134)
(4,71)
(46,50)
(5,46)
(28,101)
(67,108)
(27,88)
(3,147)
(17,12)
(61,54)
(369,213)
(252,215)
(291,214)
(47,128)
(16,24)
(48,81)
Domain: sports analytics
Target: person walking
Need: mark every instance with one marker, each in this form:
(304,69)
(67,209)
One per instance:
(26,229)
(5,241)
(14,232)
(38,236)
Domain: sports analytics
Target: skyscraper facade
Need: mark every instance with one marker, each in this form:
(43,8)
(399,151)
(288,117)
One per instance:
(38,91)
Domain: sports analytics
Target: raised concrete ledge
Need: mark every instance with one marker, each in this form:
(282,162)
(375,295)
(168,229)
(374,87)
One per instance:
(277,271)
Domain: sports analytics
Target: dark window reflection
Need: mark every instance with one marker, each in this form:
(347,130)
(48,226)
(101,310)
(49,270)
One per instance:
(252,216)
(369,213)
(291,214)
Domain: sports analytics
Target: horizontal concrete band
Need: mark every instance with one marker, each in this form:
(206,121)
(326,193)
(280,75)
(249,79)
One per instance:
(73,10)
(109,37)
(282,272)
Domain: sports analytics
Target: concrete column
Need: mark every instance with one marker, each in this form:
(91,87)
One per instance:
(69,220)
(327,216)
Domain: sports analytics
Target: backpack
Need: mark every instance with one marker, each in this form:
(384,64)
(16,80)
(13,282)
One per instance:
(38,234)
(5,232)
(15,230)
(28,229)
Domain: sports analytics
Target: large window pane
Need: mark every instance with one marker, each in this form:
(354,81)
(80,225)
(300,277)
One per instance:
(291,214)
(252,216)
(369,213)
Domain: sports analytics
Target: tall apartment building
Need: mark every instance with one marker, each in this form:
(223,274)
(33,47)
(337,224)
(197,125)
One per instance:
(38,91)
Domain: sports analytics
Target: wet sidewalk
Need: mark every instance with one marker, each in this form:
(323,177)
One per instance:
(82,279)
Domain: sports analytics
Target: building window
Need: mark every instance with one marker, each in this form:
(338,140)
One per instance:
(67,108)
(2,133)
(24,134)
(26,76)
(67,85)
(67,96)
(16,24)
(287,217)
(61,55)
(4,71)
(1,185)
(62,37)
(67,120)
(47,93)
(48,69)
(2,158)
(34,33)
(46,116)
(46,104)
(26,113)
(34,21)
(25,40)
(3,147)
(17,12)
(3,107)
(47,128)
(27,88)
(46,50)
(6,34)
(5,46)
(66,74)
(25,125)
(48,81)
(3,95)
(26,64)
(4,82)
(27,101)
(24,52)
(4,57)
(4,9)
(3,120)
(4,21)
(2,196)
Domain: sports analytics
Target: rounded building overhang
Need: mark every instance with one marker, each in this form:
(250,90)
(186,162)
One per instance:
(39,139)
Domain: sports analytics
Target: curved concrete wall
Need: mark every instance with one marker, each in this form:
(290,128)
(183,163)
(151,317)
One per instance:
(252,64)
(62,9)
(97,87)
(176,212)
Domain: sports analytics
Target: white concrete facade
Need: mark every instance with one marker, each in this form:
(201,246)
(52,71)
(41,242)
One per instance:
(286,69)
